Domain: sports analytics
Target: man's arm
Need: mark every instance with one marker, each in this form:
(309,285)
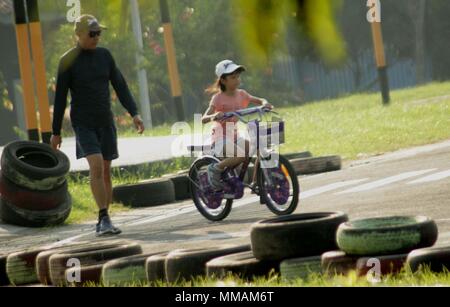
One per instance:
(60,104)
(59,107)
(120,86)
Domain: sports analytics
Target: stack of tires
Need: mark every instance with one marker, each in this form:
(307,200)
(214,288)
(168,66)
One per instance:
(383,244)
(33,186)
(296,242)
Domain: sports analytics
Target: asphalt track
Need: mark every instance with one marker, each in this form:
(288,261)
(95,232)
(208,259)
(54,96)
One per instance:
(415,181)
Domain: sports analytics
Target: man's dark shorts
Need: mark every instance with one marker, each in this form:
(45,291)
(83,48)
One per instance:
(92,141)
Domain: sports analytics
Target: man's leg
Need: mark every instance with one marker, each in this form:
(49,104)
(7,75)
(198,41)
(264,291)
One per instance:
(108,182)
(98,188)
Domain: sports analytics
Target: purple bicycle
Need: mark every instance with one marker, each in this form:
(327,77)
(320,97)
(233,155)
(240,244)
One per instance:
(273,179)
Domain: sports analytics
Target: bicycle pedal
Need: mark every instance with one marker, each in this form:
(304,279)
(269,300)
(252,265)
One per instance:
(228,196)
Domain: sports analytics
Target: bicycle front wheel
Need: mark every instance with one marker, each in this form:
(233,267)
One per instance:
(279,187)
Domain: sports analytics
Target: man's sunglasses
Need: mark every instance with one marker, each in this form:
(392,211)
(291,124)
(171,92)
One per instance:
(93,34)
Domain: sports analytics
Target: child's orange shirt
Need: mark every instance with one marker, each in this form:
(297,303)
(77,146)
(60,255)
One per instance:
(225,103)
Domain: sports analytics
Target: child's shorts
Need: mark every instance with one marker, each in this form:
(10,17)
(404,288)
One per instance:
(226,148)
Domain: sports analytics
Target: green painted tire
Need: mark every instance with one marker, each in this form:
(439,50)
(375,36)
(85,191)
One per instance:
(88,257)
(387,235)
(126,271)
(21,267)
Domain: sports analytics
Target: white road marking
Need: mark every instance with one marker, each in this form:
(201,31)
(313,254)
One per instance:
(385,181)
(330,187)
(431,178)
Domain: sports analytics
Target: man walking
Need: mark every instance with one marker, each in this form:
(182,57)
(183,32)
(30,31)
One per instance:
(86,71)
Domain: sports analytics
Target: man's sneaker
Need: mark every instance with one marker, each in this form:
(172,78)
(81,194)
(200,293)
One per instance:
(116,230)
(215,177)
(105,228)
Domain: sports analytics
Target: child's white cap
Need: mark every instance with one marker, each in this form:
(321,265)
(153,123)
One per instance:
(227,67)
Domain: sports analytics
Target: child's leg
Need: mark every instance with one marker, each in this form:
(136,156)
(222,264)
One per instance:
(235,160)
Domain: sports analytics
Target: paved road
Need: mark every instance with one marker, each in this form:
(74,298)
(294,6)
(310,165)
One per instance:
(137,150)
(410,182)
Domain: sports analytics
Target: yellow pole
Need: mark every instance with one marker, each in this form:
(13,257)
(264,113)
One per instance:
(381,61)
(26,70)
(39,69)
(174,75)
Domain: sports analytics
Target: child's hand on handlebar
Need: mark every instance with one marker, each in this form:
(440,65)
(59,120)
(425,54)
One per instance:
(266,104)
(218,116)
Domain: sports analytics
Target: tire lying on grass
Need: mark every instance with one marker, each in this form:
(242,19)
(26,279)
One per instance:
(338,263)
(387,235)
(27,199)
(146,193)
(34,165)
(21,267)
(155,268)
(181,184)
(84,275)
(244,265)
(126,271)
(186,265)
(42,259)
(300,268)
(4,281)
(295,236)
(298,155)
(386,265)
(436,259)
(35,218)
(307,166)
(87,257)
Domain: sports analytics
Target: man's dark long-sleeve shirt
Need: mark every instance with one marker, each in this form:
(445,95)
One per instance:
(86,73)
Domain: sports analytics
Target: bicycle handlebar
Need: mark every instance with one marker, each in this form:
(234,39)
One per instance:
(250,111)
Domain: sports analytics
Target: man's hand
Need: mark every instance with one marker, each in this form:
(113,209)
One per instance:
(139,124)
(56,141)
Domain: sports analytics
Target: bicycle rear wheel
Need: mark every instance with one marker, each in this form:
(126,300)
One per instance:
(216,210)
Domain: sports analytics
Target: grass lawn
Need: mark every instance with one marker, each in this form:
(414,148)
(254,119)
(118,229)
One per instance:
(404,279)
(352,127)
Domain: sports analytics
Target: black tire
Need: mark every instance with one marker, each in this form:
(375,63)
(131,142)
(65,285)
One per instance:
(207,213)
(386,236)
(4,281)
(388,265)
(181,184)
(42,260)
(30,218)
(306,166)
(296,236)
(291,204)
(299,155)
(89,275)
(126,271)
(27,199)
(34,165)
(88,257)
(155,268)
(243,265)
(21,267)
(338,263)
(436,259)
(300,268)
(186,265)
(147,193)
